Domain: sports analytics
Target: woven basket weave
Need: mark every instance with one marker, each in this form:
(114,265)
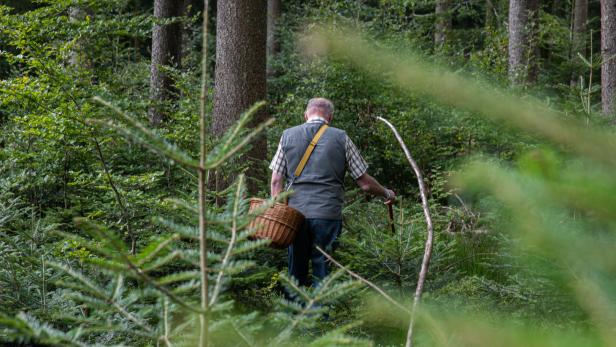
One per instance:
(279,223)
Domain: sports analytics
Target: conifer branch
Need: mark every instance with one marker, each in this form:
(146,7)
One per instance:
(241,334)
(229,153)
(165,336)
(114,242)
(145,135)
(367,282)
(119,198)
(312,300)
(160,288)
(118,287)
(225,260)
(154,248)
(94,290)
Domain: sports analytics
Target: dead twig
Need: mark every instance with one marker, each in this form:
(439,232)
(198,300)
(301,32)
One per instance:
(119,198)
(390,213)
(428,248)
(370,284)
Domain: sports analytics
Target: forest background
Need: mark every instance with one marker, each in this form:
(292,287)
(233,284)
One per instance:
(507,106)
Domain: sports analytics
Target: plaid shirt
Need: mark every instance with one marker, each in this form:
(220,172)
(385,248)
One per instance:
(356,165)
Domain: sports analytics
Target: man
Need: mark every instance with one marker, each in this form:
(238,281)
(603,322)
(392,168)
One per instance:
(318,191)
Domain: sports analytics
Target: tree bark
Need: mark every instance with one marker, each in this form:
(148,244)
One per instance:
(241,72)
(77,59)
(273,45)
(534,52)
(489,15)
(166,52)
(578,41)
(518,19)
(442,23)
(522,41)
(608,55)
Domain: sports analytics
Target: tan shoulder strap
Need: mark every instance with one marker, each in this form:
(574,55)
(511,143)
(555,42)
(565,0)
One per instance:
(315,139)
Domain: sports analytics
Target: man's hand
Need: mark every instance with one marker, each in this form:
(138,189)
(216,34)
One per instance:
(390,196)
(370,185)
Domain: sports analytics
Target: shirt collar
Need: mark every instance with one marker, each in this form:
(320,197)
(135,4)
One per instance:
(317,119)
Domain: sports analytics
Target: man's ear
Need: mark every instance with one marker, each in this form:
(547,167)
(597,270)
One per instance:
(305,116)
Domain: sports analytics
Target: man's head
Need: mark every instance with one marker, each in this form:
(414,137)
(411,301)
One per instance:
(320,107)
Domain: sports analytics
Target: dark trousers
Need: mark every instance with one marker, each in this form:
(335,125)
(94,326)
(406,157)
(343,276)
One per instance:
(314,232)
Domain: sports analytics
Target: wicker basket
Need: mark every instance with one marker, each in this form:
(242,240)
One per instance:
(279,223)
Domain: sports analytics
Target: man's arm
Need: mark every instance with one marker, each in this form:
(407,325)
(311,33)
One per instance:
(370,185)
(279,169)
(358,168)
(277,184)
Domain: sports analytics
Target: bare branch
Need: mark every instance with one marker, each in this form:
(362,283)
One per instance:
(119,198)
(425,263)
(368,283)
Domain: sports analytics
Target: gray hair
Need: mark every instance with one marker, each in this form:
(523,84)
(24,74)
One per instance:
(324,106)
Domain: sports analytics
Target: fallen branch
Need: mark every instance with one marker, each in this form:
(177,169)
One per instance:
(370,284)
(428,248)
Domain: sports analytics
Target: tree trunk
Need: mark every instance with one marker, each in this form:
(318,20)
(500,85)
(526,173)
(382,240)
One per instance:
(79,57)
(241,34)
(523,41)
(442,23)
(557,7)
(534,52)
(608,55)
(77,60)
(489,15)
(273,45)
(518,19)
(578,41)
(166,52)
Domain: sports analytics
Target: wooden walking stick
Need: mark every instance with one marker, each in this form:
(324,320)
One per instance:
(390,210)
(425,263)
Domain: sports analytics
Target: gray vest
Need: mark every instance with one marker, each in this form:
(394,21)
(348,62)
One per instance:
(319,190)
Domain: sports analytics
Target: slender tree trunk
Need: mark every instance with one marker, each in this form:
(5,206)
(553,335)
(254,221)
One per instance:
(166,52)
(578,41)
(273,44)
(442,23)
(203,221)
(489,15)
(518,19)
(557,6)
(523,41)
(241,72)
(77,60)
(534,52)
(608,55)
